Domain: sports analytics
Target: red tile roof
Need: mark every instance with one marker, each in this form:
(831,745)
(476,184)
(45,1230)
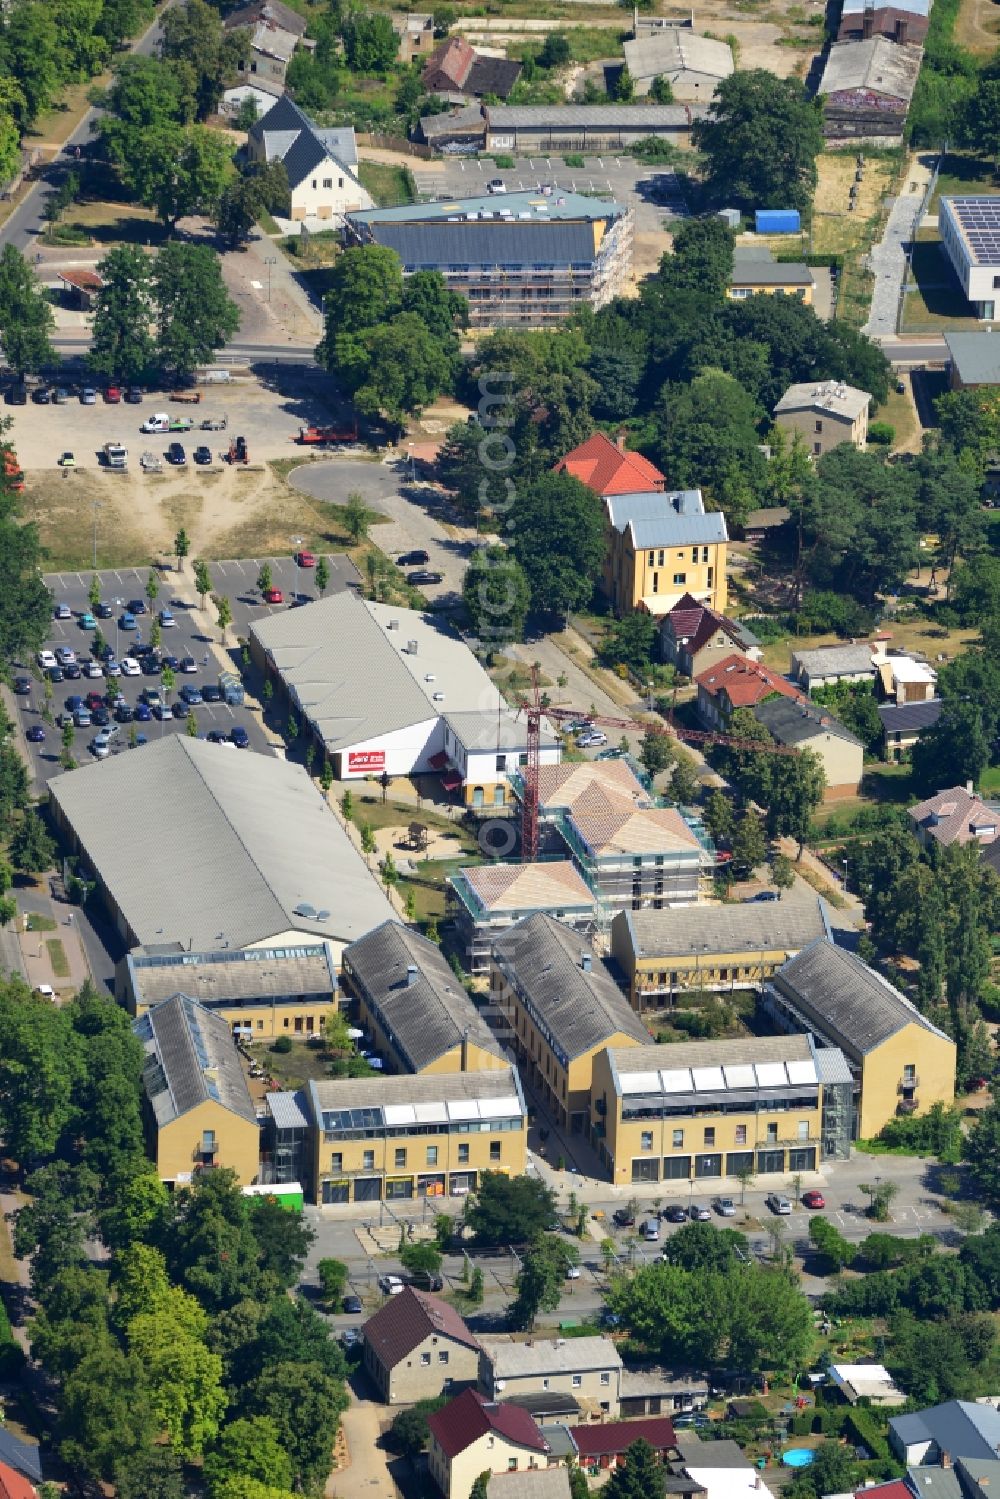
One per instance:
(745,683)
(13,1485)
(895,1489)
(606,1439)
(406,1320)
(82,280)
(609,469)
(453,58)
(469,1417)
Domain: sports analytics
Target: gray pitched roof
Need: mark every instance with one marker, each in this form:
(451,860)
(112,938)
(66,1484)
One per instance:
(752,926)
(579,1008)
(834,660)
(975,357)
(843,998)
(190,1058)
(677,49)
(519,1360)
(876,64)
(444,1095)
(424,1014)
(934,1482)
(962,1428)
(905,717)
(792,722)
(274,11)
(665,518)
(24,1457)
(593,116)
(286,133)
(236,855)
(501,243)
(228,977)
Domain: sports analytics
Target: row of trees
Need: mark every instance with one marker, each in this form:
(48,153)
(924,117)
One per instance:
(187,1347)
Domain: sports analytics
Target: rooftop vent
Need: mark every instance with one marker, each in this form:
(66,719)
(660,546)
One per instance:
(411,646)
(304,909)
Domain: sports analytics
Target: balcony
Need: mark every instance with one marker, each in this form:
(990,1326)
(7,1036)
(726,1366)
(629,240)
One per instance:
(908,1084)
(906,1106)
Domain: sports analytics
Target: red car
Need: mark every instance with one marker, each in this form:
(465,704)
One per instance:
(94,700)
(305,559)
(274,596)
(813,1199)
(112,395)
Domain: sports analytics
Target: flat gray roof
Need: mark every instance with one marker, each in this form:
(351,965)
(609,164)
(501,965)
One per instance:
(218,848)
(975,357)
(512,1360)
(438,1096)
(535,206)
(594,117)
(752,926)
(830,396)
(753,272)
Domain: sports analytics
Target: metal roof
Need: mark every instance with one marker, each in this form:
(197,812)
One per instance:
(540,208)
(962,1428)
(975,357)
(596,116)
(845,999)
(714,1071)
(479,731)
(651,504)
(901,718)
(785,925)
(428,1091)
(932,1482)
(358,669)
(223,852)
(190,1059)
(419,1003)
(579,1007)
(232,977)
(675,50)
(289,1110)
(501,244)
(772,272)
(511,1360)
(875,64)
(671,530)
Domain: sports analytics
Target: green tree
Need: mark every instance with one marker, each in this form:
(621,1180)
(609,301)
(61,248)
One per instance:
(760,141)
(624,85)
(980,119)
(195,315)
(718,816)
(358,517)
(31,848)
(641,1476)
(541,1278)
(684,782)
(32,57)
(444,312)
(305,1404)
(326,777)
(13,782)
(26,320)
(509,1210)
(224,612)
(265,578)
(105,1418)
(748,842)
(194,39)
(191,724)
(370,44)
(558,530)
(11,106)
(181,547)
(496,595)
(795,789)
(122,345)
(836,1251)
(475,1292)
(701,259)
(202,580)
(395,369)
(630,642)
(174,169)
(239,207)
(332,1273)
(322,575)
(250,1449)
(150,1473)
(953,750)
(480,1487)
(657,751)
(782,872)
(708,437)
(365,288)
(152,589)
(421,1258)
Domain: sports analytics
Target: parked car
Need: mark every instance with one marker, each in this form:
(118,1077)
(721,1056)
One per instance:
(81,718)
(100,717)
(42,396)
(72,672)
(211,693)
(813,1199)
(36,734)
(65,655)
(142,713)
(87,621)
(60,395)
(123,713)
(725,1207)
(46,659)
(176,454)
(390,1284)
(55,674)
(674,1213)
(765,895)
(591,739)
(130,667)
(159,422)
(412,559)
(100,746)
(423,576)
(699,1213)
(778,1203)
(17,395)
(67,461)
(240,737)
(353,1306)
(191,695)
(188,665)
(104,611)
(273,596)
(167,621)
(496,185)
(573,1272)
(127,620)
(88,396)
(62,611)
(623,1218)
(133,396)
(650,1229)
(305,559)
(113,395)
(202,454)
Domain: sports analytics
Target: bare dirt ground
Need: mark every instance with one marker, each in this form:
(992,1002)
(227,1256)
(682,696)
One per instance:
(978,26)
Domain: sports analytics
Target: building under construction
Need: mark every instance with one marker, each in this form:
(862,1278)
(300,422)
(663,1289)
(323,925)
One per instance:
(522,259)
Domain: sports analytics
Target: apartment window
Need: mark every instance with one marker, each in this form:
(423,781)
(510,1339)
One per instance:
(463,1155)
(425,1360)
(443,1356)
(368,1160)
(545,1384)
(208,1141)
(741,1134)
(314,184)
(501,762)
(577,1381)
(659,558)
(772,1134)
(910,1072)
(803,1129)
(704,554)
(647,1139)
(710,1135)
(711,576)
(656,582)
(327,181)
(432,1155)
(819,426)
(650,559)
(340,181)
(495,1148)
(694,554)
(678,1139)
(605,1378)
(817,448)
(680,578)
(337,1161)
(401,1157)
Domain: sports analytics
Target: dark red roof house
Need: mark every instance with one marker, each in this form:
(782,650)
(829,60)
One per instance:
(737,682)
(418,1347)
(608,467)
(471,1435)
(14,1485)
(604,1444)
(457,68)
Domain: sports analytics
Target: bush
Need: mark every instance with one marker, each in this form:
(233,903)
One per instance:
(881,432)
(823,611)
(938,1132)
(409,1432)
(863,1428)
(282,1044)
(504,162)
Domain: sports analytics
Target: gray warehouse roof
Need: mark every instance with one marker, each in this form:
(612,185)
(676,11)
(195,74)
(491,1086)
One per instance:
(782,925)
(899,718)
(834,661)
(425,1013)
(875,64)
(844,999)
(975,357)
(539,208)
(579,1007)
(227,977)
(358,669)
(594,117)
(677,49)
(234,854)
(190,1058)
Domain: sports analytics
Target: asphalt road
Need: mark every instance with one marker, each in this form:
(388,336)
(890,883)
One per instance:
(28,220)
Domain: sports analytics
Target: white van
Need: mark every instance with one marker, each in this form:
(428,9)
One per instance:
(651,1230)
(158,422)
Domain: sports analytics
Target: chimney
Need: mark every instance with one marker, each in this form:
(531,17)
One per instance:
(465,1050)
(867,24)
(620,440)
(585,961)
(411,975)
(946,1459)
(970,787)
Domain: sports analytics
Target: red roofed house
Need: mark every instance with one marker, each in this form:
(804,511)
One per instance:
(694,637)
(471,1435)
(457,68)
(418,1347)
(13,1485)
(738,683)
(604,1444)
(607,467)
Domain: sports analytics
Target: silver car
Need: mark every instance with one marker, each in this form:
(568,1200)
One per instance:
(725,1207)
(778,1204)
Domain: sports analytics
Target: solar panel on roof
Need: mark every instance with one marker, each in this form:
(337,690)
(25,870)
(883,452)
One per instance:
(740,1076)
(459,1109)
(707,1078)
(803,1071)
(399,1113)
(771,1074)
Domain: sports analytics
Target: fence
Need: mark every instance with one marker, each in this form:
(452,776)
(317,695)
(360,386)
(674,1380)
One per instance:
(396,143)
(906,281)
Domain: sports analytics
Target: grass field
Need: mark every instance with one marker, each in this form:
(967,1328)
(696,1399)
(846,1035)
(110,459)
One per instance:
(935,299)
(390,186)
(57,957)
(961,173)
(109,223)
(61,504)
(899,412)
(392,814)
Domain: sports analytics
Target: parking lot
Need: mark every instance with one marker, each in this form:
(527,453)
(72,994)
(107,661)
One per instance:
(186,638)
(267,408)
(653,192)
(238,582)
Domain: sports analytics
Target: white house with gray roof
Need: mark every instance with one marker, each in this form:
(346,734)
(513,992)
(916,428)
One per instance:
(588,1369)
(830,665)
(967,1429)
(388,689)
(321,162)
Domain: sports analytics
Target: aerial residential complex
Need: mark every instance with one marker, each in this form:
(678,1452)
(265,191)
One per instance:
(970,233)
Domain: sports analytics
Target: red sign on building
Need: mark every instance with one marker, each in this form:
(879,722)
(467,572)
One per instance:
(364,761)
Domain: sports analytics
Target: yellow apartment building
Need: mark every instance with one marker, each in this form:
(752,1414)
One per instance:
(260,992)
(562,1007)
(672,952)
(198,1109)
(660,547)
(401,1138)
(703,1111)
(900,1063)
(413,1008)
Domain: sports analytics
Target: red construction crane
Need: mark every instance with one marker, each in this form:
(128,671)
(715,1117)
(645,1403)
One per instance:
(534,713)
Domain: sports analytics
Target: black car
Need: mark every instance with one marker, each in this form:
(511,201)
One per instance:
(766,895)
(176,454)
(123,713)
(240,737)
(151,664)
(100,717)
(202,454)
(181,709)
(352,1306)
(56,674)
(42,396)
(624,1218)
(17,395)
(22,685)
(412,559)
(423,576)
(136,606)
(674,1214)
(104,611)
(72,672)
(172,662)
(212,694)
(217,736)
(134,395)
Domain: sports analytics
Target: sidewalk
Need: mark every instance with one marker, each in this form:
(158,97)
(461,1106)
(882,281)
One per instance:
(888,257)
(37,956)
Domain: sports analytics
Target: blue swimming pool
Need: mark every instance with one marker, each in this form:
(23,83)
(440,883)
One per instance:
(798,1457)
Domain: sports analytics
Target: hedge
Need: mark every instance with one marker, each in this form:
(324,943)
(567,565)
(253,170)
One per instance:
(863,1429)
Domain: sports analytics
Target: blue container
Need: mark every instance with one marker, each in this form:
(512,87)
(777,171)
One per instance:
(778,221)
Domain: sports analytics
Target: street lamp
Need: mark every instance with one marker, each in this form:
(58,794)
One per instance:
(269,262)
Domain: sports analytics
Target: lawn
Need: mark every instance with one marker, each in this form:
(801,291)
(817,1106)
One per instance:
(936,300)
(61,504)
(39,923)
(295,1068)
(109,223)
(57,957)
(899,412)
(989,781)
(390,814)
(961,173)
(390,186)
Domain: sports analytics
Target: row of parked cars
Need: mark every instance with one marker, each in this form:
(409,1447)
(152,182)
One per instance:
(698,1212)
(59,395)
